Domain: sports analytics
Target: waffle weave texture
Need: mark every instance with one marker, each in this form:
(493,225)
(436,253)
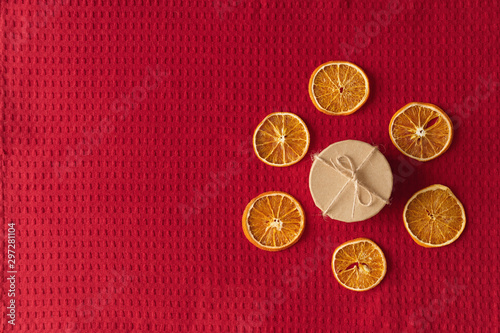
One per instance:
(127,163)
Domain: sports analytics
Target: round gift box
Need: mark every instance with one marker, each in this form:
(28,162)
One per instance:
(350,181)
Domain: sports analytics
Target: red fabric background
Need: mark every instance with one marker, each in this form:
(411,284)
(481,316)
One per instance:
(127,163)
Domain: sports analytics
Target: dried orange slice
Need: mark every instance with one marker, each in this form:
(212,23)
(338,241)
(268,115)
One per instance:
(273,221)
(281,139)
(421,131)
(338,88)
(359,264)
(434,216)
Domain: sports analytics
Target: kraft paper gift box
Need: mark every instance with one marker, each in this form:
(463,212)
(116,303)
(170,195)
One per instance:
(350,181)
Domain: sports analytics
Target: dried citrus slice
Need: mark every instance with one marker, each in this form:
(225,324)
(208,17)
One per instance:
(359,264)
(273,221)
(281,139)
(434,216)
(421,131)
(338,88)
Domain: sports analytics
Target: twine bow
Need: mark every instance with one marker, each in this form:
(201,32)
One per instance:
(351,173)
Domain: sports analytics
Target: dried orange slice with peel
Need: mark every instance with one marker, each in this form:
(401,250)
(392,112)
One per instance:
(359,264)
(421,131)
(273,221)
(281,139)
(434,216)
(338,88)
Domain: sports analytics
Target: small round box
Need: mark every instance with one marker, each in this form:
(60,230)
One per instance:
(350,181)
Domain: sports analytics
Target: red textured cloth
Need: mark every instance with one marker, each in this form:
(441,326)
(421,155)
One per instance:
(127,163)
